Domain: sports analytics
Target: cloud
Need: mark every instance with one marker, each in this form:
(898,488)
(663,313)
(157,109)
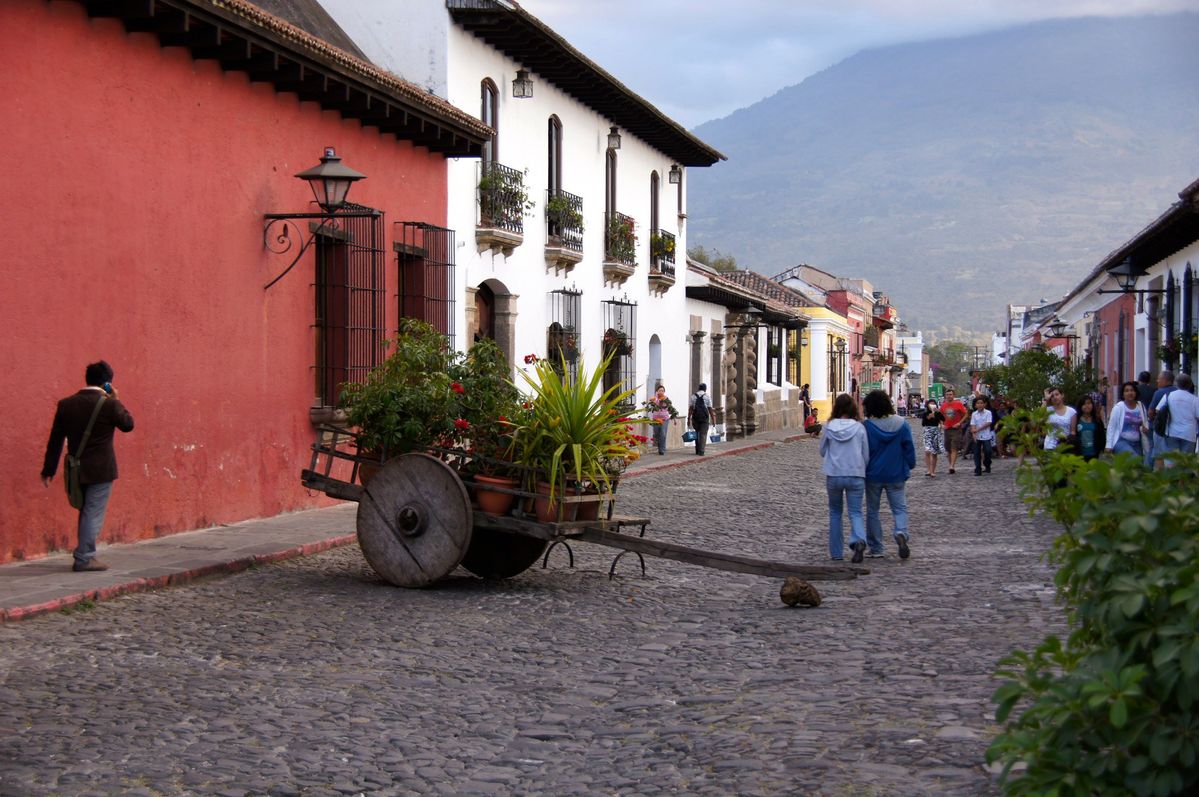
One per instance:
(702,59)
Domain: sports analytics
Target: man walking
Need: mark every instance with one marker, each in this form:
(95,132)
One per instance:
(97,406)
(956,425)
(699,416)
(1184,420)
(1165,386)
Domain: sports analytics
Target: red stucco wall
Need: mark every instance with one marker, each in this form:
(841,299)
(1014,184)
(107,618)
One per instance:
(135,183)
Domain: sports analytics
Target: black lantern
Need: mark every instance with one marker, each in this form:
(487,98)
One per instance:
(1057,329)
(330,181)
(522,86)
(840,345)
(676,174)
(614,137)
(1125,275)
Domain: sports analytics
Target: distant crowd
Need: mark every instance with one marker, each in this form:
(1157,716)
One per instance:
(869,450)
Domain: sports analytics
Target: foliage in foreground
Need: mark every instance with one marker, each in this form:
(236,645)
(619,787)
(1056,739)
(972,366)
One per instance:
(1114,708)
(1031,371)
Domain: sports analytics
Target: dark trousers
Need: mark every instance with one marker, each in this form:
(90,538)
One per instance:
(701,437)
(982,455)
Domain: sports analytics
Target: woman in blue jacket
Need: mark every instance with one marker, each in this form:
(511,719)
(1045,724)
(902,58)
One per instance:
(892,457)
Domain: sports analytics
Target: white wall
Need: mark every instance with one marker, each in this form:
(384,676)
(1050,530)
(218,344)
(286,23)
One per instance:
(408,39)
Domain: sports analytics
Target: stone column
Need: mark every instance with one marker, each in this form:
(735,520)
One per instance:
(697,360)
(472,319)
(716,385)
(505,325)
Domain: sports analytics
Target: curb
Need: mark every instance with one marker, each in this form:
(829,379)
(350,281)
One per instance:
(683,463)
(172,579)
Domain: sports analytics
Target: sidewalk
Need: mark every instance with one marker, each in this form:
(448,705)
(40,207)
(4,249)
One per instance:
(48,584)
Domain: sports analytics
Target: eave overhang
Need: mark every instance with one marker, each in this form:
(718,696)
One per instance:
(528,41)
(242,37)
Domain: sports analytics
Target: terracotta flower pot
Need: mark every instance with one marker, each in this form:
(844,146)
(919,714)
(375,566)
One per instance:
(546,508)
(490,501)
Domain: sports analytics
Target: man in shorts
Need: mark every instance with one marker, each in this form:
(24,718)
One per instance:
(957,425)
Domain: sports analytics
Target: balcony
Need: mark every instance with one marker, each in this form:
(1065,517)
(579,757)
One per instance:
(563,230)
(620,248)
(502,205)
(884,316)
(661,253)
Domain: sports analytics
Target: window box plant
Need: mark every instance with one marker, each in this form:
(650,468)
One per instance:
(564,213)
(661,247)
(616,344)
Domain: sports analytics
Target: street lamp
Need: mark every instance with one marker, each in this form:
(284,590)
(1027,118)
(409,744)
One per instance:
(522,85)
(1126,277)
(330,181)
(676,174)
(614,137)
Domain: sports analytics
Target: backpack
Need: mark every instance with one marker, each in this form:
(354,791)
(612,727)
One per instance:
(699,409)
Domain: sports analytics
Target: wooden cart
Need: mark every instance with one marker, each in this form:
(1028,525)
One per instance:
(416,522)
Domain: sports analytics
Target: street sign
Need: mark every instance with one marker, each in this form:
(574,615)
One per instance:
(936,390)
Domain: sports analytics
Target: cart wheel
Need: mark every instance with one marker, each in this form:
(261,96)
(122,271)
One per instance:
(414,520)
(496,554)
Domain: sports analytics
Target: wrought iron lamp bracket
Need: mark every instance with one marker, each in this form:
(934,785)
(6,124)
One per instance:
(277,237)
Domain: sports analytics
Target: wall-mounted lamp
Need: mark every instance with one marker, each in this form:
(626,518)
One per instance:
(1126,277)
(330,181)
(676,174)
(614,137)
(522,85)
(840,345)
(1057,329)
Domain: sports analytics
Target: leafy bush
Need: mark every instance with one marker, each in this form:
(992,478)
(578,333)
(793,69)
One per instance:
(1032,370)
(1114,708)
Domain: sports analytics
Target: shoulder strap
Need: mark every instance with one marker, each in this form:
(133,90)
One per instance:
(92,422)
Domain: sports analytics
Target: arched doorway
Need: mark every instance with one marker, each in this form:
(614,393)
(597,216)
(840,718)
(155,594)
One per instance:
(654,377)
(491,313)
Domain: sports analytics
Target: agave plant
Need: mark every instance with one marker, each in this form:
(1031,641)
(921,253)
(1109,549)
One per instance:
(573,427)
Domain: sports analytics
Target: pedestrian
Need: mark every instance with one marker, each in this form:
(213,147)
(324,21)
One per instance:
(1061,419)
(845,451)
(699,416)
(94,412)
(1128,426)
(1099,397)
(811,424)
(1165,385)
(998,413)
(956,425)
(661,410)
(982,429)
(1144,389)
(805,398)
(1183,426)
(892,457)
(934,436)
(1089,429)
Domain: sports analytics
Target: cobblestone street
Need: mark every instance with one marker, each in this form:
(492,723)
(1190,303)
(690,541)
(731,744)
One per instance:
(313,677)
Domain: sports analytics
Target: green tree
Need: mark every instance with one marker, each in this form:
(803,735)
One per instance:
(952,362)
(714,258)
(1032,370)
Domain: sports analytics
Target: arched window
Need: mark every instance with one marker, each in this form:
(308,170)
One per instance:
(554,145)
(610,183)
(654,190)
(490,115)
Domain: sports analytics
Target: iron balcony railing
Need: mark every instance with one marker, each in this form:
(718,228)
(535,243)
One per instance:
(564,219)
(620,241)
(502,198)
(661,245)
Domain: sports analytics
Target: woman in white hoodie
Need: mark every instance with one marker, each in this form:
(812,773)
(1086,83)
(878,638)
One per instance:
(845,451)
(1128,425)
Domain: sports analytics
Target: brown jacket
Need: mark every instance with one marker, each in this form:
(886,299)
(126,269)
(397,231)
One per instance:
(98,463)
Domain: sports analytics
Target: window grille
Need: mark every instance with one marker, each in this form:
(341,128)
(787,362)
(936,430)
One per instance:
(620,341)
(425,262)
(562,335)
(349,292)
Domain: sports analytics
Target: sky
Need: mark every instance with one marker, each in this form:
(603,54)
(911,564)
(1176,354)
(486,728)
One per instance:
(699,60)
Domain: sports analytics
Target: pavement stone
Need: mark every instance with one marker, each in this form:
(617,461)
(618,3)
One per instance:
(311,676)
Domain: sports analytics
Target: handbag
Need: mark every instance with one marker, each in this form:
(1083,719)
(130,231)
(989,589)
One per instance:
(689,436)
(1161,421)
(71,465)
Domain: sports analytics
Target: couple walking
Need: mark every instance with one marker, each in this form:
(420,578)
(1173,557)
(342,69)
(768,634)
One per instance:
(866,459)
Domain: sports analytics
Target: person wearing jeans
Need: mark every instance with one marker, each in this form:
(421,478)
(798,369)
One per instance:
(844,450)
(97,461)
(892,457)
(981,427)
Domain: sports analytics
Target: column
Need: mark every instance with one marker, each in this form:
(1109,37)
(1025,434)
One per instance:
(716,382)
(697,363)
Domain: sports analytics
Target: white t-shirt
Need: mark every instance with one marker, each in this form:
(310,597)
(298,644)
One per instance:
(1059,426)
(978,418)
(1184,414)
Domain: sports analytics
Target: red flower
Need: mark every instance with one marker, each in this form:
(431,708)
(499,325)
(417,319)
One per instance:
(530,359)
(461,424)
(457,387)
(503,419)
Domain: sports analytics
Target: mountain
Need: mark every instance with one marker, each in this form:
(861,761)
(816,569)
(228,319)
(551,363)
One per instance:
(960,175)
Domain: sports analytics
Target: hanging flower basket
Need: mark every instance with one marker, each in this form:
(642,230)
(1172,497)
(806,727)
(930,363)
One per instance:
(616,343)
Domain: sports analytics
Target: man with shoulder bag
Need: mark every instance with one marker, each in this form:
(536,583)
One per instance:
(86,422)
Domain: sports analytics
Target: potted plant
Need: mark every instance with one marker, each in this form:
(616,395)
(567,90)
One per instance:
(621,239)
(661,246)
(563,213)
(616,344)
(503,198)
(562,343)
(571,431)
